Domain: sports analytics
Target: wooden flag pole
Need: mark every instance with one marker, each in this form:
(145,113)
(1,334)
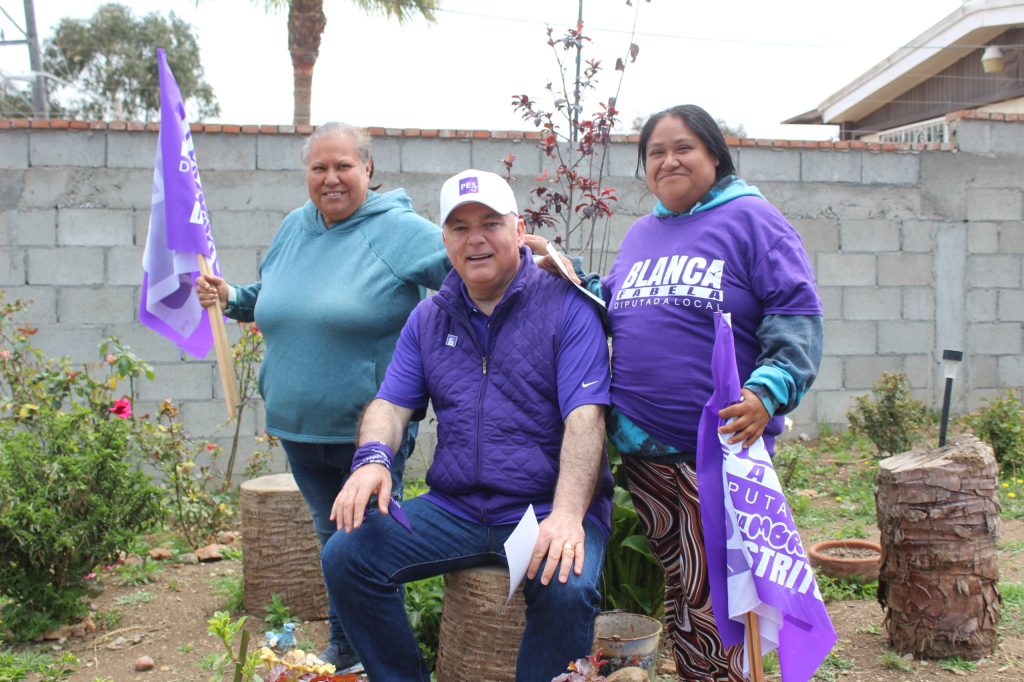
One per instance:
(754,648)
(220,345)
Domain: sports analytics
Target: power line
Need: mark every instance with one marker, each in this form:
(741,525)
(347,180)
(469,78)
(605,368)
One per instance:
(705,39)
(11,19)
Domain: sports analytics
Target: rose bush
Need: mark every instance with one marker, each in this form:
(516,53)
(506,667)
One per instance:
(70,495)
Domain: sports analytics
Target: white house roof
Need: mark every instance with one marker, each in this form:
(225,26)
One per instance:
(961,32)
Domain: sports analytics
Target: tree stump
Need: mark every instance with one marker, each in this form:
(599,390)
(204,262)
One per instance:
(478,641)
(939,519)
(281,549)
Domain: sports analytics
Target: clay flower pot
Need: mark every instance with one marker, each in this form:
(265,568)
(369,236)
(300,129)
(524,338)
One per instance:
(850,559)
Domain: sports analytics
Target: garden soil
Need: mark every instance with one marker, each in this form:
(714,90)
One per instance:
(171,627)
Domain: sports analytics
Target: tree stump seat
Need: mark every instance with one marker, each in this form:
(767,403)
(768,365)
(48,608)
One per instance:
(939,521)
(478,640)
(281,549)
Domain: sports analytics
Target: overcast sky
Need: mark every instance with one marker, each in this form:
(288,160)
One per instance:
(750,62)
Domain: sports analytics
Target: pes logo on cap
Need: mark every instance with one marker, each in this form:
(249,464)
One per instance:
(468,186)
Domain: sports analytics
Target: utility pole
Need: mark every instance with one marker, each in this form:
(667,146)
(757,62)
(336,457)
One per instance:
(35,60)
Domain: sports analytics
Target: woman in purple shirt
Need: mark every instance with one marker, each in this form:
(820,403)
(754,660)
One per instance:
(712,243)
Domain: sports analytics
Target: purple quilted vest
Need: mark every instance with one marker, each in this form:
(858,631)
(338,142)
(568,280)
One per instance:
(500,427)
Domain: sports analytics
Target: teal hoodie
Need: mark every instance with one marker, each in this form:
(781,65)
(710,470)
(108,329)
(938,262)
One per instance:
(723,191)
(330,304)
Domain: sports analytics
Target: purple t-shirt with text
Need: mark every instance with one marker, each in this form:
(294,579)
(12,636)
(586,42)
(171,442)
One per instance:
(670,277)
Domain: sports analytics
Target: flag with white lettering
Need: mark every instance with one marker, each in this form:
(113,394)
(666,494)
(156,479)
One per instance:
(179,229)
(756,561)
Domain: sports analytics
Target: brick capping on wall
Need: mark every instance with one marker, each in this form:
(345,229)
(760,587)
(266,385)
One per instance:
(732,141)
(914,251)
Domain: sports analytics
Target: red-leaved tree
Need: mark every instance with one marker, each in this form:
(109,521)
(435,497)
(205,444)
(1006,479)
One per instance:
(571,203)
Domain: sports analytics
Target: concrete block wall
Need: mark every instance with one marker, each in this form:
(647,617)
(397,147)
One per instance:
(916,249)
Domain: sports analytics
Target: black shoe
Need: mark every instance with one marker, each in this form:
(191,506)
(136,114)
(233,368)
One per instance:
(345,663)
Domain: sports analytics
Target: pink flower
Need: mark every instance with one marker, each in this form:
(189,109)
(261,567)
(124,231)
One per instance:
(122,408)
(210,447)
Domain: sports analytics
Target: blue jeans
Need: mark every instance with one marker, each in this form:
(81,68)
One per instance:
(364,569)
(320,471)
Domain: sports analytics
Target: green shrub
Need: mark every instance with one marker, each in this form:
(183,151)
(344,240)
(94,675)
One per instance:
(238,663)
(1000,423)
(893,420)
(17,666)
(248,354)
(70,497)
(199,501)
(894,661)
(232,588)
(841,589)
(135,598)
(423,597)
(770,663)
(136,574)
(277,613)
(958,664)
(792,464)
(69,500)
(632,578)
(108,620)
(231,553)
(1013,607)
(423,606)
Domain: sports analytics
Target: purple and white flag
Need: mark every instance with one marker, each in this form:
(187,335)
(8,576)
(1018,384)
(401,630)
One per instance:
(179,228)
(756,561)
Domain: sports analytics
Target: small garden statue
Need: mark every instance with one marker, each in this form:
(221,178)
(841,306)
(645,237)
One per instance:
(281,641)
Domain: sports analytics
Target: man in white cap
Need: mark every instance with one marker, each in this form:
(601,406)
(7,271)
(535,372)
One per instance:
(515,363)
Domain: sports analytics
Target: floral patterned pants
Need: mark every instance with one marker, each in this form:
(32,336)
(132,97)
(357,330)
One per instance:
(665,497)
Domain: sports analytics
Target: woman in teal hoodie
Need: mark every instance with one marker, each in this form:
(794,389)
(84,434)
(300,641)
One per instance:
(340,278)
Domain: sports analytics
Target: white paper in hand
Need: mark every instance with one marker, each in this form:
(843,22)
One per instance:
(557,257)
(519,550)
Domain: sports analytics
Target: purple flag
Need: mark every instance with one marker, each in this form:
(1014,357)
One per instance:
(756,561)
(179,229)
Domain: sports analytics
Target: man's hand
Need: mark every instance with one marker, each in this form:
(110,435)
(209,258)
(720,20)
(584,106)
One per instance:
(561,534)
(350,506)
(750,419)
(383,422)
(561,541)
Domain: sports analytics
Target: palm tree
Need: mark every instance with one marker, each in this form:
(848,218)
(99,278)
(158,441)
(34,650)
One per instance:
(306,23)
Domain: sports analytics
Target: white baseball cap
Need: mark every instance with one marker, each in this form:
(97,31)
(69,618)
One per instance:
(477,186)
